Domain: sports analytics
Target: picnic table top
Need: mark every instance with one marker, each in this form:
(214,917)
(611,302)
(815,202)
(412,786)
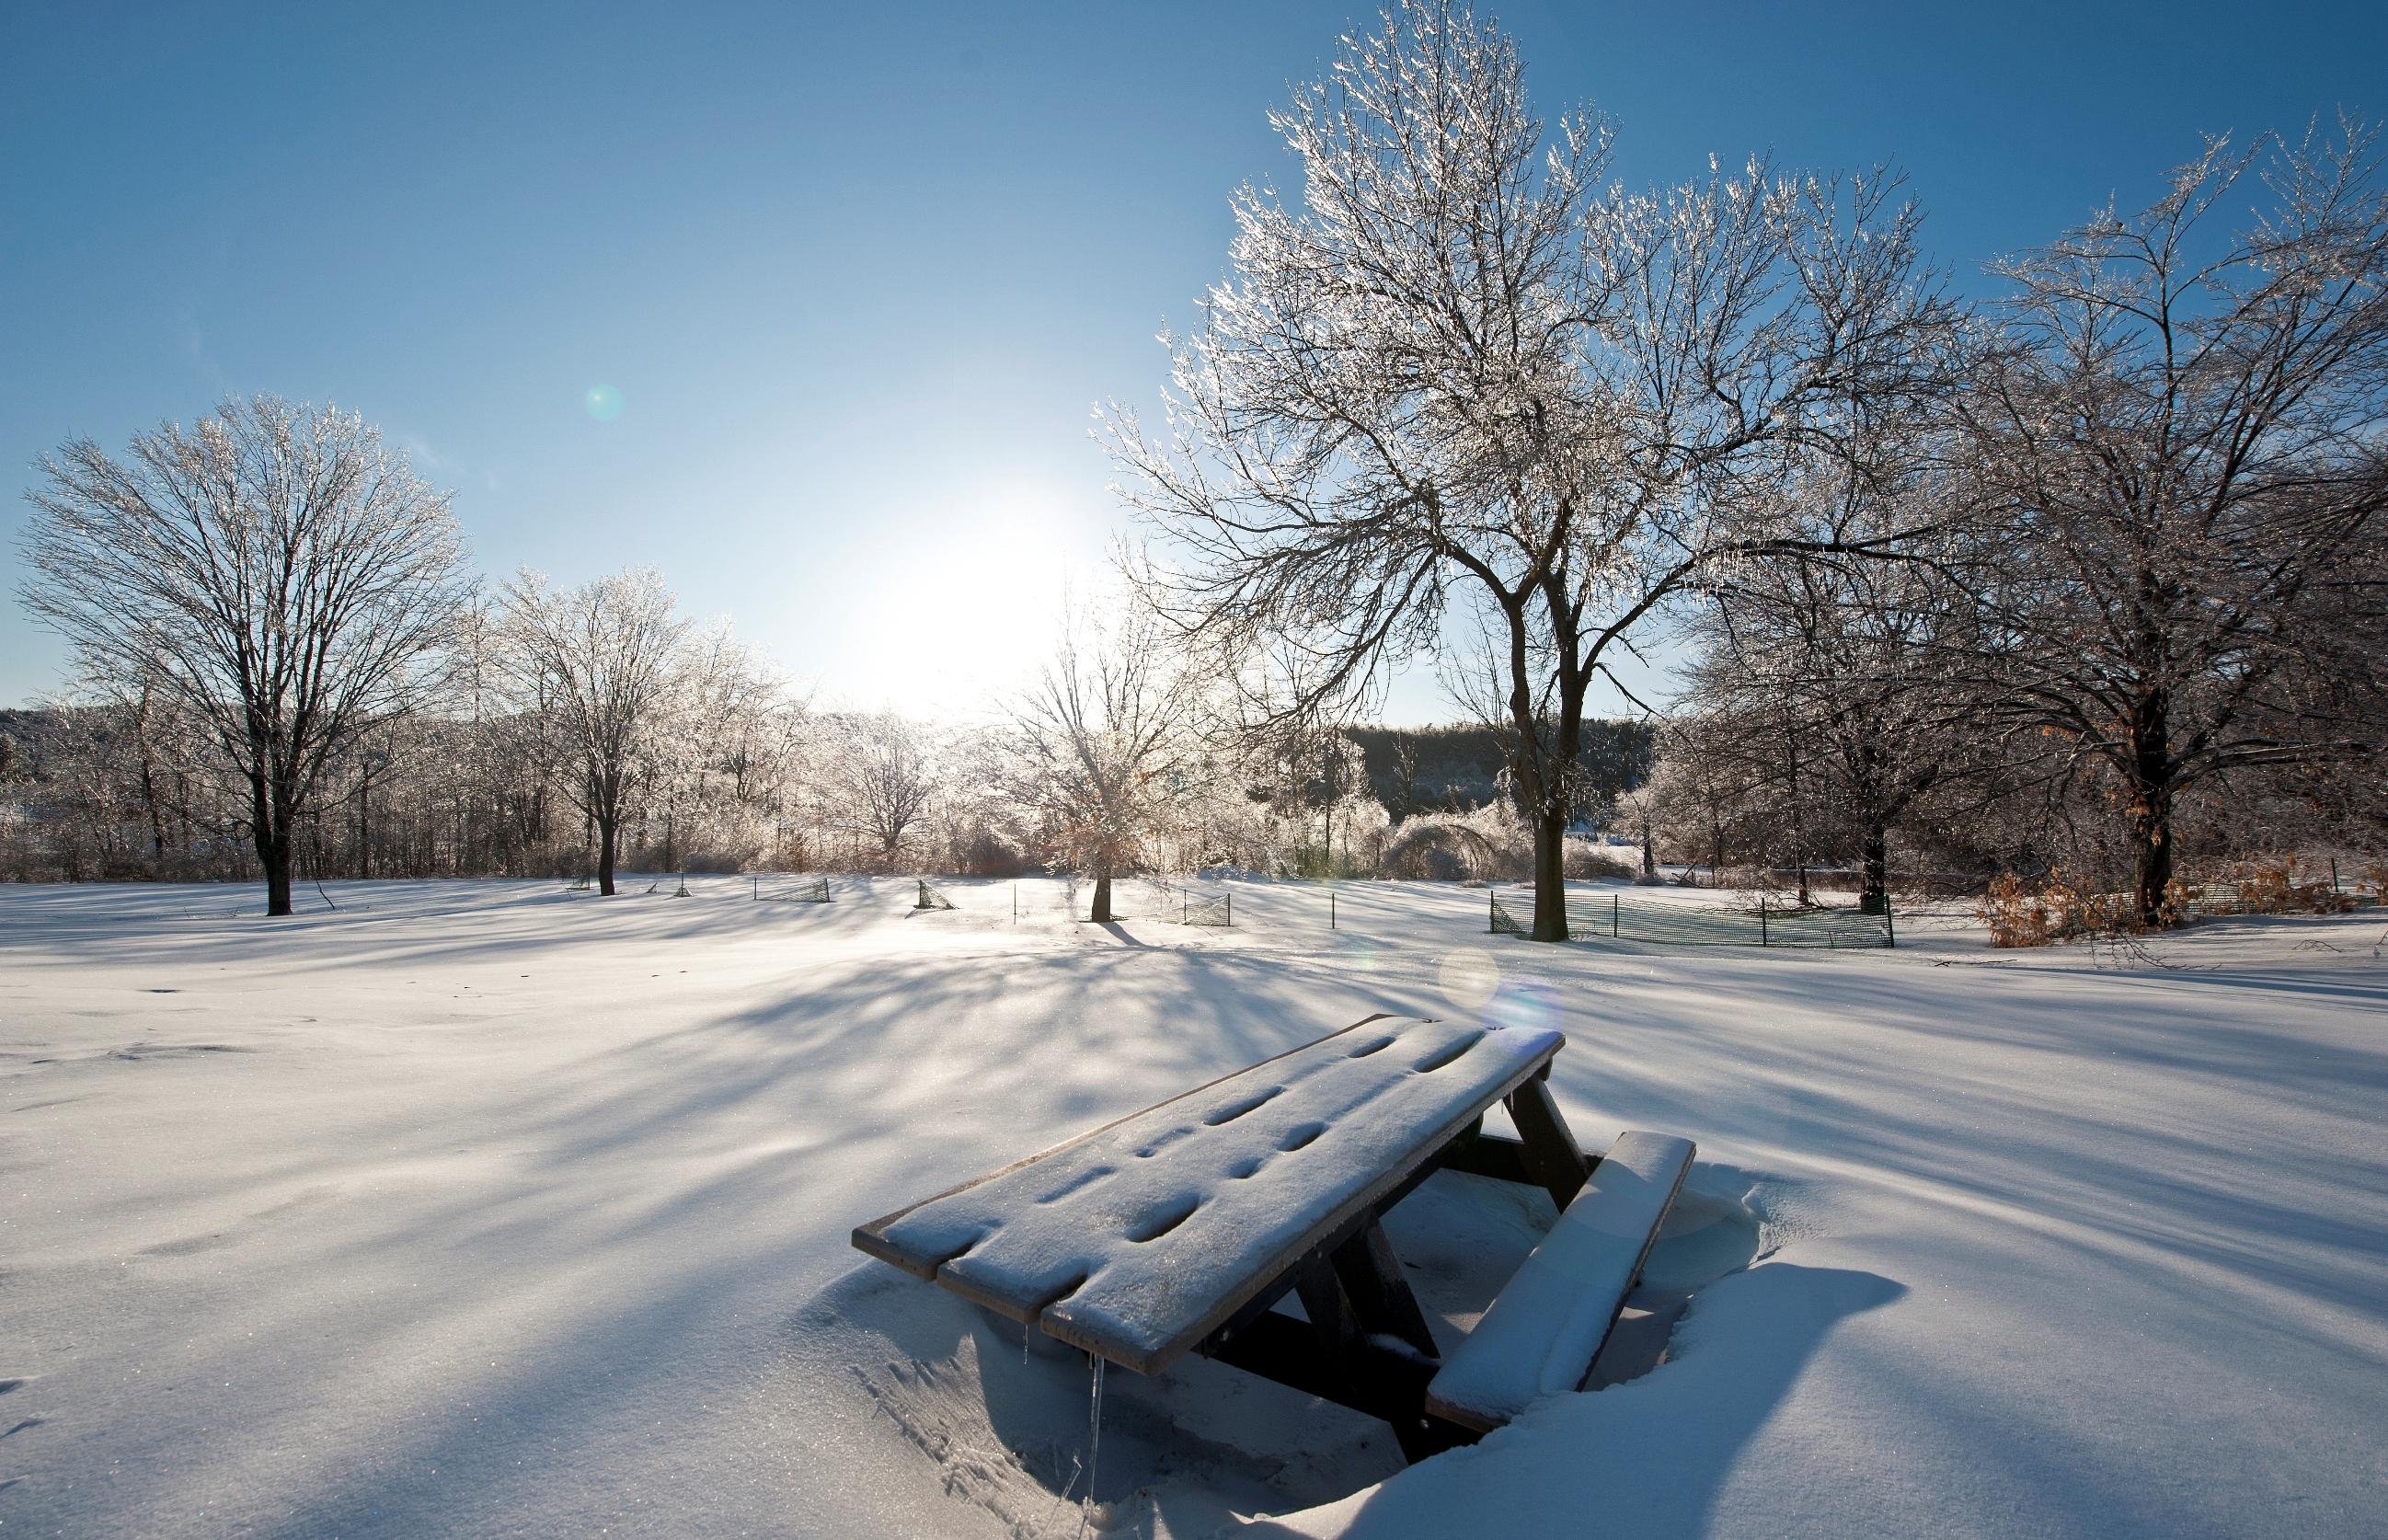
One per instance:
(1140,1239)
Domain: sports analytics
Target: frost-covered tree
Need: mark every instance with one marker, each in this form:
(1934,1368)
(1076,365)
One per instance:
(723,741)
(273,571)
(883,774)
(1462,381)
(1103,740)
(1837,670)
(600,665)
(2184,481)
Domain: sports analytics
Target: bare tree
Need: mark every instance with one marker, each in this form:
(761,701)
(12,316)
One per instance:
(1101,738)
(275,570)
(2182,453)
(885,778)
(601,664)
(1464,378)
(1840,665)
(1707,794)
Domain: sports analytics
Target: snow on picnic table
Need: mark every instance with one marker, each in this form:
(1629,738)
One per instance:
(480,1209)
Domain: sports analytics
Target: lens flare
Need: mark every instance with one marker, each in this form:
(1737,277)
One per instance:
(1355,953)
(1468,978)
(603,401)
(1523,1004)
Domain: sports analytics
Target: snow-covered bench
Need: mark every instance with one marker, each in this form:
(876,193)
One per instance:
(1177,1228)
(1542,1334)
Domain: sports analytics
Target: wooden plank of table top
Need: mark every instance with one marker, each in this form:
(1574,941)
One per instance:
(871,1238)
(1135,1241)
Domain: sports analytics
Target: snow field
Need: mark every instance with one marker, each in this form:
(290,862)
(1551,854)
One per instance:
(480,1209)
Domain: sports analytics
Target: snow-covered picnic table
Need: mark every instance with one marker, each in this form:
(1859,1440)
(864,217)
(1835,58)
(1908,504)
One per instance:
(1174,1229)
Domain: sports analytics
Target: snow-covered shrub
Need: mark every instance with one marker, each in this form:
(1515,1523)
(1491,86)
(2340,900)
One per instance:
(1586,860)
(1491,843)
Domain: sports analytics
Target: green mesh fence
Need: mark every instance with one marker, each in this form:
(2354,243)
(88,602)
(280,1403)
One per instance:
(930,897)
(1832,928)
(809,890)
(1210,912)
(1503,923)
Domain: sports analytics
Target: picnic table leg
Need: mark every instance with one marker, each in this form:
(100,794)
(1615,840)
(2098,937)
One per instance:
(1379,1295)
(1370,1378)
(1333,1321)
(1551,1155)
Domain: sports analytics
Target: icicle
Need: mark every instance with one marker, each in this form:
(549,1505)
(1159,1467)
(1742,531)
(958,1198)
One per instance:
(1094,1443)
(1067,1487)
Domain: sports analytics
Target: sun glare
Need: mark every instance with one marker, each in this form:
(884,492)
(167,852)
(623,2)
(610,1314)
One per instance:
(969,616)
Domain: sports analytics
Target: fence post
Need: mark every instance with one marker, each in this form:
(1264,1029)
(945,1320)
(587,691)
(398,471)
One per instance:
(1890,925)
(1490,906)
(1613,903)
(1762,919)
(1331,911)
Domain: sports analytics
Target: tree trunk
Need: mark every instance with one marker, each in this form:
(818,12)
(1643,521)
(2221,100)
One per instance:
(1103,910)
(2151,806)
(273,854)
(270,831)
(156,817)
(606,827)
(1874,897)
(1550,875)
(1330,808)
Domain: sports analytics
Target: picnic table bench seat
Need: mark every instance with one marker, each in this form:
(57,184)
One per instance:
(1550,1320)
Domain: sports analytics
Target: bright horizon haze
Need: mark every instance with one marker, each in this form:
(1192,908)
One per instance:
(810,307)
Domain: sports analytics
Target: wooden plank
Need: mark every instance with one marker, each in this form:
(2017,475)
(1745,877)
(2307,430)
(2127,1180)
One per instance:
(1494,1155)
(1333,1323)
(1378,1294)
(1269,1293)
(1387,1385)
(1546,1147)
(1082,1319)
(871,1238)
(1545,1330)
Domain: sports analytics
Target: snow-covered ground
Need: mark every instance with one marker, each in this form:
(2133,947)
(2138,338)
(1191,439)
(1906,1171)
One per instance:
(480,1209)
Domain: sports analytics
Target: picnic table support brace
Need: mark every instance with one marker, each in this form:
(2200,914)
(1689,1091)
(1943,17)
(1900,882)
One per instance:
(1355,1294)
(1547,1147)
(1379,1294)
(1356,1297)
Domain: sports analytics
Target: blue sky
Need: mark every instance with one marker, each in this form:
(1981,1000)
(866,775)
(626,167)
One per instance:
(860,274)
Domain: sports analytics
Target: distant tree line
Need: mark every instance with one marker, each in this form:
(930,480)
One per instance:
(734,772)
